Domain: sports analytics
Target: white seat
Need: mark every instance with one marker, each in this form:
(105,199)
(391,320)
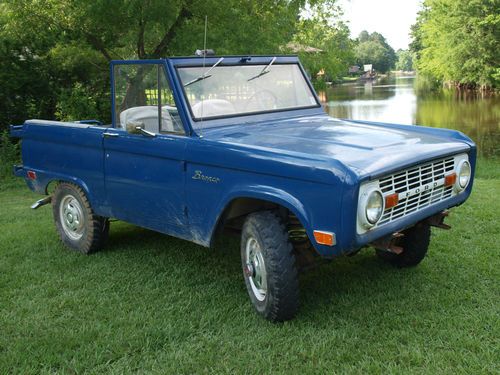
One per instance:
(147,115)
(212,107)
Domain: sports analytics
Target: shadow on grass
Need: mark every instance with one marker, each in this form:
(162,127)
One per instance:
(344,286)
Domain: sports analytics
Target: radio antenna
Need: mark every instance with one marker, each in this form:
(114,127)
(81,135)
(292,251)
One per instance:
(204,72)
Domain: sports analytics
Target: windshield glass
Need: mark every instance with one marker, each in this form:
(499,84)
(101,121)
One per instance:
(223,91)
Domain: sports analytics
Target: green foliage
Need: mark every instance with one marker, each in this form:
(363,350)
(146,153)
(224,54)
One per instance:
(374,49)
(404,60)
(425,84)
(26,85)
(458,42)
(9,155)
(79,102)
(55,53)
(321,30)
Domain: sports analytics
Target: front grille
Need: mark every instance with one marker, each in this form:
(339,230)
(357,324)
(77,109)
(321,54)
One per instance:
(424,183)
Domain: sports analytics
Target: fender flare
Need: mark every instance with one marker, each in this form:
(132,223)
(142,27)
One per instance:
(44,179)
(265,193)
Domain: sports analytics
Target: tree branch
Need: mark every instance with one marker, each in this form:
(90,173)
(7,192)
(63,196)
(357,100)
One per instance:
(184,14)
(98,45)
(141,53)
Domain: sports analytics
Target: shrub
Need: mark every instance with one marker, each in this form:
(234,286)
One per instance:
(9,155)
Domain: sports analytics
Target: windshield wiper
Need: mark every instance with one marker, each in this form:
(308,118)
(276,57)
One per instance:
(204,75)
(263,71)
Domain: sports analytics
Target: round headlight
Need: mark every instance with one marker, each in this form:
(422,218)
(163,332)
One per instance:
(374,206)
(464,172)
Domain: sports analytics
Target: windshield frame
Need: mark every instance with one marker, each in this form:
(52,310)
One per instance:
(243,62)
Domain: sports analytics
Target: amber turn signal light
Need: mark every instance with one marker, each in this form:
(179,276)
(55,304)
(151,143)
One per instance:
(324,238)
(391,200)
(450,179)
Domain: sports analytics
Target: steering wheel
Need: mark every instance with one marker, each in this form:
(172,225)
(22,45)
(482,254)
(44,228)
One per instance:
(263,100)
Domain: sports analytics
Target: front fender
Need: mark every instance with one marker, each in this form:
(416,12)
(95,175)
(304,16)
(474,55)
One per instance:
(271,194)
(265,193)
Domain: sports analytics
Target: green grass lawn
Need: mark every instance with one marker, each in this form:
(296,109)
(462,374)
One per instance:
(151,303)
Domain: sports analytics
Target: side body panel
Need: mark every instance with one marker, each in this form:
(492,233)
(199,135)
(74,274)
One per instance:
(61,151)
(144,179)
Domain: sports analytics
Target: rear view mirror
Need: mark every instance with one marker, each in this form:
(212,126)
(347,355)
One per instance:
(138,128)
(134,127)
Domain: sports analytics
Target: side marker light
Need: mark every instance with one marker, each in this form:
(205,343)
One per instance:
(324,238)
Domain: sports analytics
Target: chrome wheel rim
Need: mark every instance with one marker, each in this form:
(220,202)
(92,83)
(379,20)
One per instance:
(71,217)
(255,269)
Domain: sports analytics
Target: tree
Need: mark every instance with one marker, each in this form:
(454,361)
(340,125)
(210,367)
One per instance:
(364,36)
(25,80)
(405,60)
(323,31)
(63,47)
(374,49)
(458,42)
(157,28)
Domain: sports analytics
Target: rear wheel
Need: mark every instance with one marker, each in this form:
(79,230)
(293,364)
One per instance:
(269,267)
(79,228)
(414,243)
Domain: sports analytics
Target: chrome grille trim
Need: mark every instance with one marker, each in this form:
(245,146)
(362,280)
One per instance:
(413,178)
(415,203)
(417,187)
(416,176)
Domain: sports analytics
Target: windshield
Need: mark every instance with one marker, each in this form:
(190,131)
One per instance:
(223,91)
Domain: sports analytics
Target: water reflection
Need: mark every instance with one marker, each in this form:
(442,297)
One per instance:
(396,100)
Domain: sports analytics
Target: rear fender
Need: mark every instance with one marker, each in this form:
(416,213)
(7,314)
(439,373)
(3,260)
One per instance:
(43,179)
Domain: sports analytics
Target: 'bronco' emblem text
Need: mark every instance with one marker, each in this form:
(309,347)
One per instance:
(198,175)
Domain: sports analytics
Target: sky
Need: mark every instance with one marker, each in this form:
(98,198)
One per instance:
(391,18)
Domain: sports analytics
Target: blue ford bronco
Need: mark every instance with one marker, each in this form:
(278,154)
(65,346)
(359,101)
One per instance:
(200,146)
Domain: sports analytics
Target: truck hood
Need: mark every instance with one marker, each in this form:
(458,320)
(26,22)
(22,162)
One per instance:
(367,148)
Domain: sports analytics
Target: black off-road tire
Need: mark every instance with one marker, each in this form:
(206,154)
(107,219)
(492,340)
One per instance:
(281,299)
(94,229)
(414,243)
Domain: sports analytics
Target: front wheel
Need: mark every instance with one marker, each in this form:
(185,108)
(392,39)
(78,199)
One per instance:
(269,267)
(414,243)
(79,228)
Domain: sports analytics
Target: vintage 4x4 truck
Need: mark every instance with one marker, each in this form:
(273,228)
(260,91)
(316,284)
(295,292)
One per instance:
(199,145)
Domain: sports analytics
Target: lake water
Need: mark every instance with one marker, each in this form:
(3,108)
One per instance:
(398,100)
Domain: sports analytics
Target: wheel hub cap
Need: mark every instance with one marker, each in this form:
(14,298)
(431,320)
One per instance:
(248,269)
(255,269)
(72,219)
